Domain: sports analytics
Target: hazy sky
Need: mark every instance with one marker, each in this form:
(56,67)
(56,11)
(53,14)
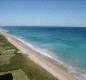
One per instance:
(43,13)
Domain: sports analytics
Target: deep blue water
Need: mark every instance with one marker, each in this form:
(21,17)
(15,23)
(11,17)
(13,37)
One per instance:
(67,44)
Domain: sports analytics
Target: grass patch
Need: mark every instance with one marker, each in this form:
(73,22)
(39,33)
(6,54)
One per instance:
(19,75)
(6,55)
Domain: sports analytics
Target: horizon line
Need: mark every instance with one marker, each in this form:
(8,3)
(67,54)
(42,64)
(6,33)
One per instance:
(39,26)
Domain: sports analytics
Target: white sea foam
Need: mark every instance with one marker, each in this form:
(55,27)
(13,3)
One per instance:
(33,47)
(77,73)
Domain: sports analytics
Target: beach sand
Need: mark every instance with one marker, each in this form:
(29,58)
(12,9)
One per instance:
(47,63)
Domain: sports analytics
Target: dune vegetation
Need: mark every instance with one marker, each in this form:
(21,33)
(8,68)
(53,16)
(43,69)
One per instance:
(11,60)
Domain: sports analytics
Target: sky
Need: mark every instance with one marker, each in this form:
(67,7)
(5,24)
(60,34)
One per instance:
(43,13)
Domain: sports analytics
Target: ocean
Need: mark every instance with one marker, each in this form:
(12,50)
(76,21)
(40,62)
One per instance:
(67,45)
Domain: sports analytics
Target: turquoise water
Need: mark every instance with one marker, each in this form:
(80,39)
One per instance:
(68,45)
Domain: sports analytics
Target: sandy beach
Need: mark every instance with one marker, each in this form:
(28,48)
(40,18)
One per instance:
(47,63)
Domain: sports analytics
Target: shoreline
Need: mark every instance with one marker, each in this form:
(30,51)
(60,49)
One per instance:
(47,63)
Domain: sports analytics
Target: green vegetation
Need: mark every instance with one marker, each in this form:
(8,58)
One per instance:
(6,55)
(19,75)
(10,60)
